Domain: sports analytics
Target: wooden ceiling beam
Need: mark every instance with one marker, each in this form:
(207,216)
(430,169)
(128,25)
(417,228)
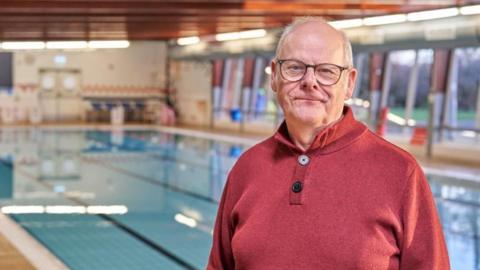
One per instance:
(188,8)
(165,19)
(160,19)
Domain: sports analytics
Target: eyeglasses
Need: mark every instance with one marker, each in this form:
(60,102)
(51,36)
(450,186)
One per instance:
(326,74)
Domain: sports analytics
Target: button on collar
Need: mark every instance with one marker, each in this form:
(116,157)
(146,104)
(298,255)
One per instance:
(297,187)
(303,160)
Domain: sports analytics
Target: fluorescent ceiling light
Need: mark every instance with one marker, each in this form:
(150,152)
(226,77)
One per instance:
(253,33)
(346,23)
(188,40)
(469,10)
(241,35)
(387,19)
(358,101)
(400,120)
(28,45)
(396,119)
(108,44)
(268,70)
(67,45)
(227,36)
(469,134)
(432,14)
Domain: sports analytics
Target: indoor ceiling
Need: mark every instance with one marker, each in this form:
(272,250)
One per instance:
(166,19)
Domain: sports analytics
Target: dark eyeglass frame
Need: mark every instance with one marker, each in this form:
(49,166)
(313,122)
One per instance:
(281,61)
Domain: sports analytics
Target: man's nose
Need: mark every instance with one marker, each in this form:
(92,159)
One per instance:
(309,81)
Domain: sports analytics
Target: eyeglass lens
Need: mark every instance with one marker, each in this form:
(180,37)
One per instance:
(326,74)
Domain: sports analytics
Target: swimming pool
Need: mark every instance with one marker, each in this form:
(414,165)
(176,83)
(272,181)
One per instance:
(144,199)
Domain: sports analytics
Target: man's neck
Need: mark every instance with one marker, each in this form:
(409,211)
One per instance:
(303,135)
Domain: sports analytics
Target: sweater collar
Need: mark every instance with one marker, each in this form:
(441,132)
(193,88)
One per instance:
(333,138)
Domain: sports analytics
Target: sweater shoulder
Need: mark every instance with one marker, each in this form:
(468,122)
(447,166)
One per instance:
(393,170)
(389,153)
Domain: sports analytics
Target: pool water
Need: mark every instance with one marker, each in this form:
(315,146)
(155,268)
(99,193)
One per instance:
(163,190)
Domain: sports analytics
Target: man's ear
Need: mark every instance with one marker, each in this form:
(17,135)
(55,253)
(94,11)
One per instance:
(272,76)
(352,79)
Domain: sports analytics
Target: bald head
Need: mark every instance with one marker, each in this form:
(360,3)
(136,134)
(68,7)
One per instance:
(319,27)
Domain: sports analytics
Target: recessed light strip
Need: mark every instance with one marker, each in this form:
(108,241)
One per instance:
(39,45)
(411,17)
(388,19)
(432,14)
(108,44)
(470,10)
(241,35)
(28,45)
(67,45)
(188,40)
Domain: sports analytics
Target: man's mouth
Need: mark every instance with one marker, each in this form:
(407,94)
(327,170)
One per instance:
(310,99)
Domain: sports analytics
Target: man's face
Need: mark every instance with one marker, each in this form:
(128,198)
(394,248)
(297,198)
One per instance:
(306,101)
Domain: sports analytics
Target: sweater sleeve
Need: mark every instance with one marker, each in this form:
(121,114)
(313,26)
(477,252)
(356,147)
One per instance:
(423,244)
(221,256)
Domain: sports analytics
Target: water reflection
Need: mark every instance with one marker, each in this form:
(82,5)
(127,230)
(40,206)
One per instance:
(167,182)
(458,204)
(170,184)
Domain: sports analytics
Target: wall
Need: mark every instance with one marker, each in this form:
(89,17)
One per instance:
(192,82)
(141,67)
(142,64)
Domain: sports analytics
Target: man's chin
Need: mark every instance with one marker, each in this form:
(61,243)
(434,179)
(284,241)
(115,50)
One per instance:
(311,119)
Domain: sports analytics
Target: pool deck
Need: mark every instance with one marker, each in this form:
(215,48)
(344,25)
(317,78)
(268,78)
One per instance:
(19,250)
(10,257)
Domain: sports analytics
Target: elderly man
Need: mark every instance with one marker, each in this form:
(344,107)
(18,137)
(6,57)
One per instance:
(324,192)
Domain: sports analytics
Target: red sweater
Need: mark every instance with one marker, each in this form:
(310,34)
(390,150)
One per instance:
(360,203)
